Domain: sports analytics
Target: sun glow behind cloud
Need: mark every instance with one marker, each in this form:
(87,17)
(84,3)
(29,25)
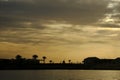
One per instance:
(111,18)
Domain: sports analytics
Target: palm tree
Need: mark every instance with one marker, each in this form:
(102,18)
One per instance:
(18,57)
(35,57)
(44,58)
(50,61)
(69,61)
(63,62)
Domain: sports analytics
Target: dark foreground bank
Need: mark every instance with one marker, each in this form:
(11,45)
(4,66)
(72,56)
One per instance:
(90,63)
(59,66)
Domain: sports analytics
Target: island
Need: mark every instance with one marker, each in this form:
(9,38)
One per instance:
(89,63)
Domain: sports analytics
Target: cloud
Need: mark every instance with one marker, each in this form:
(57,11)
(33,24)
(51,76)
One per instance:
(73,11)
(112,18)
(53,22)
(60,35)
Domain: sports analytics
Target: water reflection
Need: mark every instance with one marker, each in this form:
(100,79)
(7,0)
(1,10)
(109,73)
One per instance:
(59,75)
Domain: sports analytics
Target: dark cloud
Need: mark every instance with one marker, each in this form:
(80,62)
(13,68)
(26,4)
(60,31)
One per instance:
(74,11)
(109,25)
(21,21)
(112,18)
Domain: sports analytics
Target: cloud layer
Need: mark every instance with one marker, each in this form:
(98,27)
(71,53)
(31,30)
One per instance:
(59,21)
(68,28)
(112,18)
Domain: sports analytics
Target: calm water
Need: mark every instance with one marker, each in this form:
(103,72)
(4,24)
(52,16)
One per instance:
(59,75)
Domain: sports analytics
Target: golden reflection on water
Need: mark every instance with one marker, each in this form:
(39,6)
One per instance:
(60,75)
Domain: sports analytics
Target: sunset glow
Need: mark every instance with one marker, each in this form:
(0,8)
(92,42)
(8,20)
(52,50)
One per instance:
(60,29)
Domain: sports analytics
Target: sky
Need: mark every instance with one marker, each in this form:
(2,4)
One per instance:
(60,29)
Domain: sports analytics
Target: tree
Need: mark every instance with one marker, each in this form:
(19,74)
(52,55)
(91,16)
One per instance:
(35,57)
(63,62)
(18,57)
(44,58)
(69,61)
(50,61)
(91,60)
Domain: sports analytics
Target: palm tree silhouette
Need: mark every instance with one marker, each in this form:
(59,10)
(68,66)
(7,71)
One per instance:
(35,57)
(63,62)
(44,58)
(69,61)
(18,57)
(50,61)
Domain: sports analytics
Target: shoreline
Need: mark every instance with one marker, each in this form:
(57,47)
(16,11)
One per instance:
(59,67)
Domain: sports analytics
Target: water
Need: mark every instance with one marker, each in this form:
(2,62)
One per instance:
(59,75)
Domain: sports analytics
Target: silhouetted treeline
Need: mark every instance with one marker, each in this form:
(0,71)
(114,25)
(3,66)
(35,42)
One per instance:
(95,60)
(96,63)
(34,63)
